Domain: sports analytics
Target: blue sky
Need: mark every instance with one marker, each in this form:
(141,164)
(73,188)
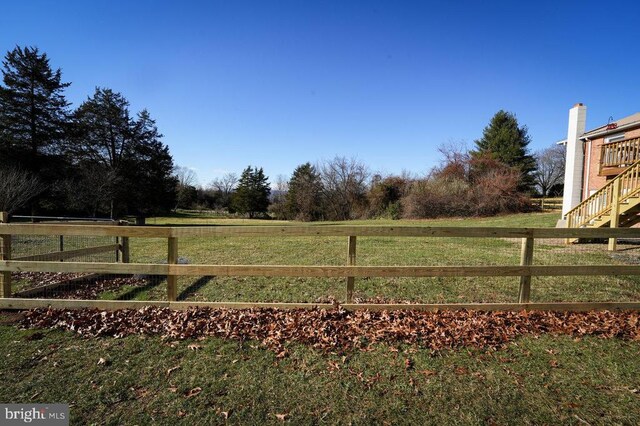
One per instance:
(279,83)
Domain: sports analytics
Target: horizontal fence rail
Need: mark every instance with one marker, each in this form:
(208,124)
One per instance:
(62,262)
(319,271)
(315,230)
(554,203)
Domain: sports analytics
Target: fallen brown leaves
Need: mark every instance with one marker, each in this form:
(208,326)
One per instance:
(86,289)
(91,289)
(337,329)
(35,280)
(193,392)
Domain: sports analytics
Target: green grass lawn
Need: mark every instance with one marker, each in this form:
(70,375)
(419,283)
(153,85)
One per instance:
(143,380)
(384,251)
(534,380)
(371,251)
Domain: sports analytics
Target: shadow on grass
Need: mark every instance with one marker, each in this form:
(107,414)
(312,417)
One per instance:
(194,287)
(136,291)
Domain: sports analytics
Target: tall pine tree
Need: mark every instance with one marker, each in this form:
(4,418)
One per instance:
(33,110)
(304,198)
(252,193)
(128,150)
(504,140)
(148,179)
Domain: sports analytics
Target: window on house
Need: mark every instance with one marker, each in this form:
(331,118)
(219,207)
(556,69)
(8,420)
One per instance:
(614,138)
(622,155)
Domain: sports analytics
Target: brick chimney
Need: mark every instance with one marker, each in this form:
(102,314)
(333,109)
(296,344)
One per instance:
(575,158)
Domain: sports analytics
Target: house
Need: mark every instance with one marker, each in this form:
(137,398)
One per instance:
(602,172)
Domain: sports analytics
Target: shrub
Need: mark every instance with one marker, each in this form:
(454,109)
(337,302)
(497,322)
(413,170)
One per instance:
(496,192)
(436,197)
(17,188)
(481,186)
(384,196)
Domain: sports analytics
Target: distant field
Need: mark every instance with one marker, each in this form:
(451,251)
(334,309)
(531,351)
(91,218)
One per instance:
(516,220)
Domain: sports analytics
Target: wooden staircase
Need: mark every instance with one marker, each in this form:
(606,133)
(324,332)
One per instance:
(617,204)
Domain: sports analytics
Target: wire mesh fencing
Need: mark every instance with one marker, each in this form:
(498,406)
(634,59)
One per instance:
(59,248)
(326,251)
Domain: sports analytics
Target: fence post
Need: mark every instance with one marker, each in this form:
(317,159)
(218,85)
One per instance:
(5,254)
(124,246)
(569,225)
(526,259)
(61,246)
(172,280)
(615,213)
(125,249)
(351,261)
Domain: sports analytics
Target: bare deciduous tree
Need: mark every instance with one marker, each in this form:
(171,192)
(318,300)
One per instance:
(344,187)
(282,183)
(224,187)
(93,191)
(17,188)
(186,192)
(454,151)
(550,172)
(186,176)
(226,184)
(277,207)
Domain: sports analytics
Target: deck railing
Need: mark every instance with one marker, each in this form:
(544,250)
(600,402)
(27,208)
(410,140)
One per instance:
(620,154)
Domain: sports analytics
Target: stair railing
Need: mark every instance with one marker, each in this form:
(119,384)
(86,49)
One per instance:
(600,202)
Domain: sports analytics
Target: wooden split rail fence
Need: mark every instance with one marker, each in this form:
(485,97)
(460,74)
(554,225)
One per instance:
(350,271)
(547,204)
(119,249)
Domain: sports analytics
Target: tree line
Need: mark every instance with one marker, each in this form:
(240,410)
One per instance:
(496,177)
(99,158)
(102,159)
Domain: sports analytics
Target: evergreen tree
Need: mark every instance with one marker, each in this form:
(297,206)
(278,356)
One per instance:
(104,130)
(504,140)
(252,193)
(33,110)
(131,150)
(149,182)
(304,199)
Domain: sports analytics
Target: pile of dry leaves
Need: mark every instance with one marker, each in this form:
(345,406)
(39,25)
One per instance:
(337,329)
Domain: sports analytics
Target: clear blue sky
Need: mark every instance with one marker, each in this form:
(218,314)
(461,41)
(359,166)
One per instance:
(278,83)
